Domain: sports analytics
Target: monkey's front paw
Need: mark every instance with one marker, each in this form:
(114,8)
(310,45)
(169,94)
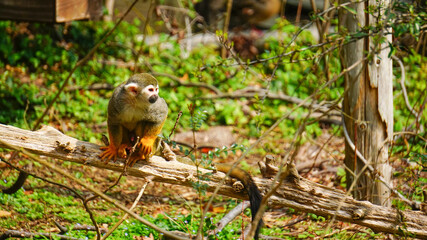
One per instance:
(109,153)
(146,151)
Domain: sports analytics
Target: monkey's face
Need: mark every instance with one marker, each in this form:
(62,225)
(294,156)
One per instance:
(151,93)
(141,93)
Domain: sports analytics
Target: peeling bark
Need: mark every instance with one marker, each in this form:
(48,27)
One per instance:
(368,103)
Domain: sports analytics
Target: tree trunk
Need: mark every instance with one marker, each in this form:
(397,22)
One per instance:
(368,105)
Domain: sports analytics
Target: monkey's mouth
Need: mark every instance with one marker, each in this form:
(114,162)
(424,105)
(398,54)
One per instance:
(153,98)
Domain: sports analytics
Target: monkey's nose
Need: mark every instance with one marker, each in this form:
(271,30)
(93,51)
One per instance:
(153,98)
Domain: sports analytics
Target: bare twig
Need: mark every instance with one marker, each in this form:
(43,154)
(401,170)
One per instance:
(268,95)
(132,150)
(286,167)
(79,227)
(191,84)
(126,214)
(402,84)
(342,200)
(233,213)
(268,131)
(176,123)
(92,218)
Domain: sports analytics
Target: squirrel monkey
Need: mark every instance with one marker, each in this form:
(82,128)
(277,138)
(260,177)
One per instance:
(135,110)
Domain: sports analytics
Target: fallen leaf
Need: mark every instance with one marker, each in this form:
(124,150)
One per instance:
(5,213)
(220,209)
(184,77)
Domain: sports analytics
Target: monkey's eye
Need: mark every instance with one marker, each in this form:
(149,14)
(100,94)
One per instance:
(151,89)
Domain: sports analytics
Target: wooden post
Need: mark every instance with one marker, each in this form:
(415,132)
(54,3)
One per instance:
(109,5)
(368,104)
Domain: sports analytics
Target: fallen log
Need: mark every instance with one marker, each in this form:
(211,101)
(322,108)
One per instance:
(296,192)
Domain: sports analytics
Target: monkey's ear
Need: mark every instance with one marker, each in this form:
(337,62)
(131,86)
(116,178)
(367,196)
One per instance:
(132,88)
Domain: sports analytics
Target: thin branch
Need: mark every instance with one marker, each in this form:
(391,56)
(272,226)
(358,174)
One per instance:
(233,213)
(84,227)
(182,83)
(126,214)
(268,95)
(132,150)
(176,124)
(225,27)
(402,84)
(285,169)
(42,178)
(92,218)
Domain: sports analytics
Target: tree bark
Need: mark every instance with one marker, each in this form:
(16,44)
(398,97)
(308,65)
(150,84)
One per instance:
(368,105)
(296,192)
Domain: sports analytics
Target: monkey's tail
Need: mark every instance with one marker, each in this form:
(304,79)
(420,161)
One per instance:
(254,194)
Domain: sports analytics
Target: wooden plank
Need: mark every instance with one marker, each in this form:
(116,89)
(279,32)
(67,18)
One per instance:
(28,10)
(67,10)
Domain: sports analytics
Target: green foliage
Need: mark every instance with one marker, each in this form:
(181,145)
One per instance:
(412,22)
(41,203)
(413,178)
(342,177)
(415,75)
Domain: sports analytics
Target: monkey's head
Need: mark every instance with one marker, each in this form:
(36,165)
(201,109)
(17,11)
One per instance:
(143,87)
